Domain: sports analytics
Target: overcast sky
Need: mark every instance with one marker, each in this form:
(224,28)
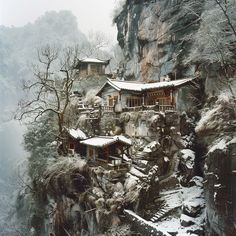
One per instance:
(93,15)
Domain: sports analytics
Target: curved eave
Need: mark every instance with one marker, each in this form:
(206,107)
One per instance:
(111,84)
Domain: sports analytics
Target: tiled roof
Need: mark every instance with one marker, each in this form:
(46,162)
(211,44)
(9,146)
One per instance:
(93,60)
(77,134)
(139,86)
(101,141)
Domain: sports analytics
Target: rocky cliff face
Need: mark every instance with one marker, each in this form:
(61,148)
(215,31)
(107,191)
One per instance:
(157,38)
(216,128)
(173,156)
(74,196)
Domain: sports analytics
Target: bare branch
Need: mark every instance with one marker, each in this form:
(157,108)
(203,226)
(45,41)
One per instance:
(51,89)
(224,10)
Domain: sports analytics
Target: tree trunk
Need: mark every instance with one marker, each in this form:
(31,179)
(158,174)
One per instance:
(62,134)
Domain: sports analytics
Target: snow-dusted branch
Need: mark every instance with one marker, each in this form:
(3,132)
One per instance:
(51,89)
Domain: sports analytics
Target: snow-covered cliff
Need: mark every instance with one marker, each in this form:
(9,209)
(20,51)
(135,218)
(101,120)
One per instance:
(174,156)
(188,38)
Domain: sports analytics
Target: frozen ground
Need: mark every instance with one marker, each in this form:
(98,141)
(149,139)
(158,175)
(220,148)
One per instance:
(182,214)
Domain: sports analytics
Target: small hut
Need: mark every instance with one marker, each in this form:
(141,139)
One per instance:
(92,66)
(108,151)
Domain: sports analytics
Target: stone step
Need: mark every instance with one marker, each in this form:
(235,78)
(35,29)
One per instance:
(161,213)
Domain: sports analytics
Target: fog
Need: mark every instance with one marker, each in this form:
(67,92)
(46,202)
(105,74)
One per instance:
(90,14)
(18,51)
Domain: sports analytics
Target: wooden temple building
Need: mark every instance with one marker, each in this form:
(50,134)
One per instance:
(92,66)
(118,95)
(108,151)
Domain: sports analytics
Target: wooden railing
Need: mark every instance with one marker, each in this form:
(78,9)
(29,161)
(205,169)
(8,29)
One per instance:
(167,108)
(162,108)
(107,109)
(114,163)
(137,108)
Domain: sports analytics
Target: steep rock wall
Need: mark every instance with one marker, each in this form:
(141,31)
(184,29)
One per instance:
(156,37)
(216,129)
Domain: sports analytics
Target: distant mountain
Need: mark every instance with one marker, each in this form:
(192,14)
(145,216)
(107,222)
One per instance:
(18,49)
(19,44)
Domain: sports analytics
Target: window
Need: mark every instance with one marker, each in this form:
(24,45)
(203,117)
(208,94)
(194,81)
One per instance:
(112,100)
(161,96)
(134,101)
(96,68)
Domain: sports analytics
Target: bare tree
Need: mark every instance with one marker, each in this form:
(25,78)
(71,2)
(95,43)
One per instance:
(225,6)
(50,90)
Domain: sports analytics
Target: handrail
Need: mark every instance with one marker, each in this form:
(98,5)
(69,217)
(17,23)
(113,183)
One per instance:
(151,107)
(107,108)
(162,108)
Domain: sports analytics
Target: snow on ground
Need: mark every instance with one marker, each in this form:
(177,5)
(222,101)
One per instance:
(136,172)
(188,197)
(172,198)
(188,157)
(210,118)
(130,182)
(205,120)
(172,225)
(151,147)
(149,226)
(232,141)
(221,144)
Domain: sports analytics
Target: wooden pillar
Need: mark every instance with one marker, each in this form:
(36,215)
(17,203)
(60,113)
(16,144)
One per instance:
(88,69)
(171,97)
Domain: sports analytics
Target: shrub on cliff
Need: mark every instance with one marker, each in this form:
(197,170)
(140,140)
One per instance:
(218,117)
(39,141)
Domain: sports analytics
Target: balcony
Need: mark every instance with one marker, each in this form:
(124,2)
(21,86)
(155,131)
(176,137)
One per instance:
(161,108)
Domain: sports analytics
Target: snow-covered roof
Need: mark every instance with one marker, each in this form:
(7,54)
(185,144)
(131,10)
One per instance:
(77,134)
(139,86)
(94,60)
(101,141)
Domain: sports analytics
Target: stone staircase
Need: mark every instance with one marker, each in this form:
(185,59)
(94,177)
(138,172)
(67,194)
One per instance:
(161,213)
(171,201)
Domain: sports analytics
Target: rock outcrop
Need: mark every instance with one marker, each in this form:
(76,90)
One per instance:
(156,37)
(217,130)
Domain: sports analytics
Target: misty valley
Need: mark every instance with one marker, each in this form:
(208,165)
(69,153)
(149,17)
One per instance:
(118,138)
